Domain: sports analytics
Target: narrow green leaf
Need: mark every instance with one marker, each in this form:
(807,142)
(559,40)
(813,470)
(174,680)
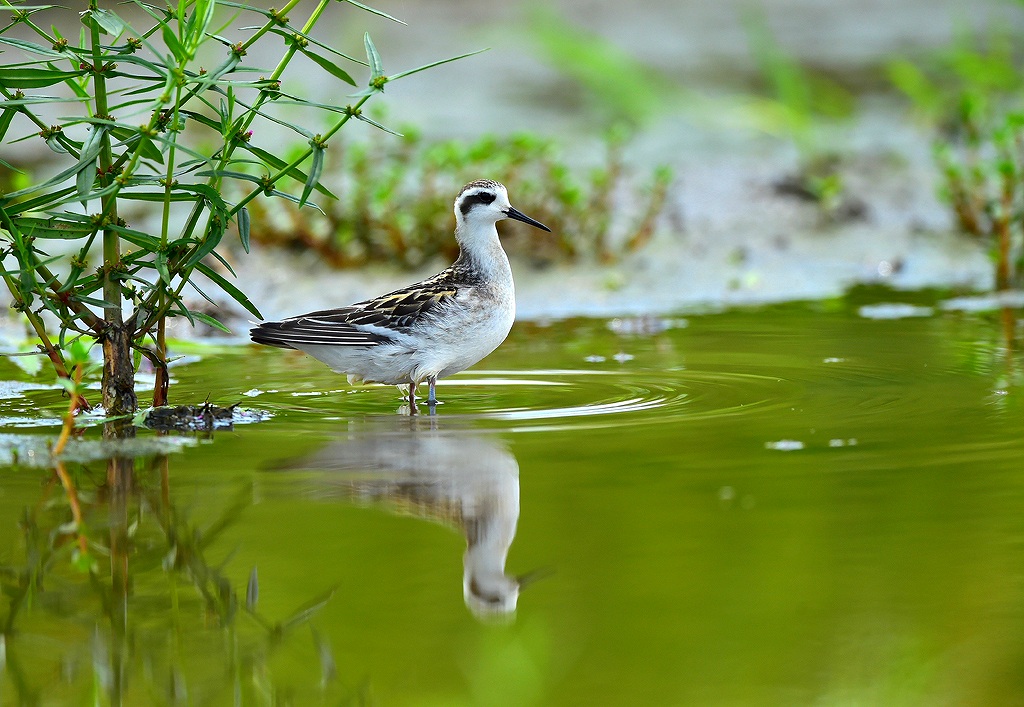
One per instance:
(6,116)
(33,48)
(294,199)
(214,235)
(98,194)
(377,125)
(53,228)
(161,266)
(201,294)
(28,8)
(229,289)
(373,10)
(36,78)
(92,301)
(290,32)
(376,65)
(410,72)
(243,6)
(129,139)
(199,22)
(225,264)
(314,173)
(203,120)
(267,157)
(242,218)
(368,91)
(328,66)
(300,130)
(87,162)
(155,196)
(35,100)
(159,70)
(206,247)
(207,319)
(105,20)
(54,144)
(42,201)
(230,175)
(172,42)
(144,241)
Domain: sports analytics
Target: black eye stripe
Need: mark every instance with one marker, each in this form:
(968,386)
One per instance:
(483,197)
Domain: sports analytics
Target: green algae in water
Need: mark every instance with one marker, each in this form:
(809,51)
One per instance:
(789,505)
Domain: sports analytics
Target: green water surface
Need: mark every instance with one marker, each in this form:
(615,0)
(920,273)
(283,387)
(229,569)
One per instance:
(794,505)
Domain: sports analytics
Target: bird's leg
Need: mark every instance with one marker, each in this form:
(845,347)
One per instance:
(431,395)
(412,398)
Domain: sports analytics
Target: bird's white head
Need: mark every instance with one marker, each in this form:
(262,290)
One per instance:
(483,203)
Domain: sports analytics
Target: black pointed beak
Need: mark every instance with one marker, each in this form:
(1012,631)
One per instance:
(520,216)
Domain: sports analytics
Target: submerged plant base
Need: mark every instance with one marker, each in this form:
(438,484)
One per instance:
(203,417)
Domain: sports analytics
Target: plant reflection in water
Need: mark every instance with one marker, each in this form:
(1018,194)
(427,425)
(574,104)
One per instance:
(112,598)
(465,480)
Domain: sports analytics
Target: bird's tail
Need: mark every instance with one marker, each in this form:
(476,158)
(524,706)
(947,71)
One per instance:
(269,334)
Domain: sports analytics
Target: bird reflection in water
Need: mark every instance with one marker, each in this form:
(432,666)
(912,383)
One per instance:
(462,479)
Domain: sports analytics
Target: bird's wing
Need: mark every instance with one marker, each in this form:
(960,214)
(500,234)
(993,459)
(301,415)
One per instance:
(363,324)
(400,309)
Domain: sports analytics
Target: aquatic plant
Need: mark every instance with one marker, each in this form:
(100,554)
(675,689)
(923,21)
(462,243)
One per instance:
(971,97)
(601,215)
(136,108)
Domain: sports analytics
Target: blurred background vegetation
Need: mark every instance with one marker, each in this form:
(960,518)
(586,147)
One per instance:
(638,137)
(570,106)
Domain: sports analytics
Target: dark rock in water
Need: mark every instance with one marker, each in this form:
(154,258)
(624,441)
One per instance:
(190,417)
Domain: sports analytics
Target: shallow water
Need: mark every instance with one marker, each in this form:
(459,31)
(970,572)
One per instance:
(808,504)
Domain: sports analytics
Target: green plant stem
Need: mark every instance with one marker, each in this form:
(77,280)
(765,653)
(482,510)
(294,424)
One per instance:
(280,13)
(162,382)
(111,240)
(118,372)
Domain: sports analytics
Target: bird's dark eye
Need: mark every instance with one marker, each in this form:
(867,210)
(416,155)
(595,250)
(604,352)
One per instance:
(482,197)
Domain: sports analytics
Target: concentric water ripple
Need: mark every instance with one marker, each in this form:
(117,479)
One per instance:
(579,398)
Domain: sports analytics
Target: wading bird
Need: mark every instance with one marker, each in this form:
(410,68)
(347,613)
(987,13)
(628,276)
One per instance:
(428,330)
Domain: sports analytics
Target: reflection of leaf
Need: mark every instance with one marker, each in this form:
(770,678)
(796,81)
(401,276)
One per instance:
(328,666)
(306,611)
(252,591)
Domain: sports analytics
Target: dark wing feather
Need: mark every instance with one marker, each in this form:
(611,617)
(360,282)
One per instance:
(397,311)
